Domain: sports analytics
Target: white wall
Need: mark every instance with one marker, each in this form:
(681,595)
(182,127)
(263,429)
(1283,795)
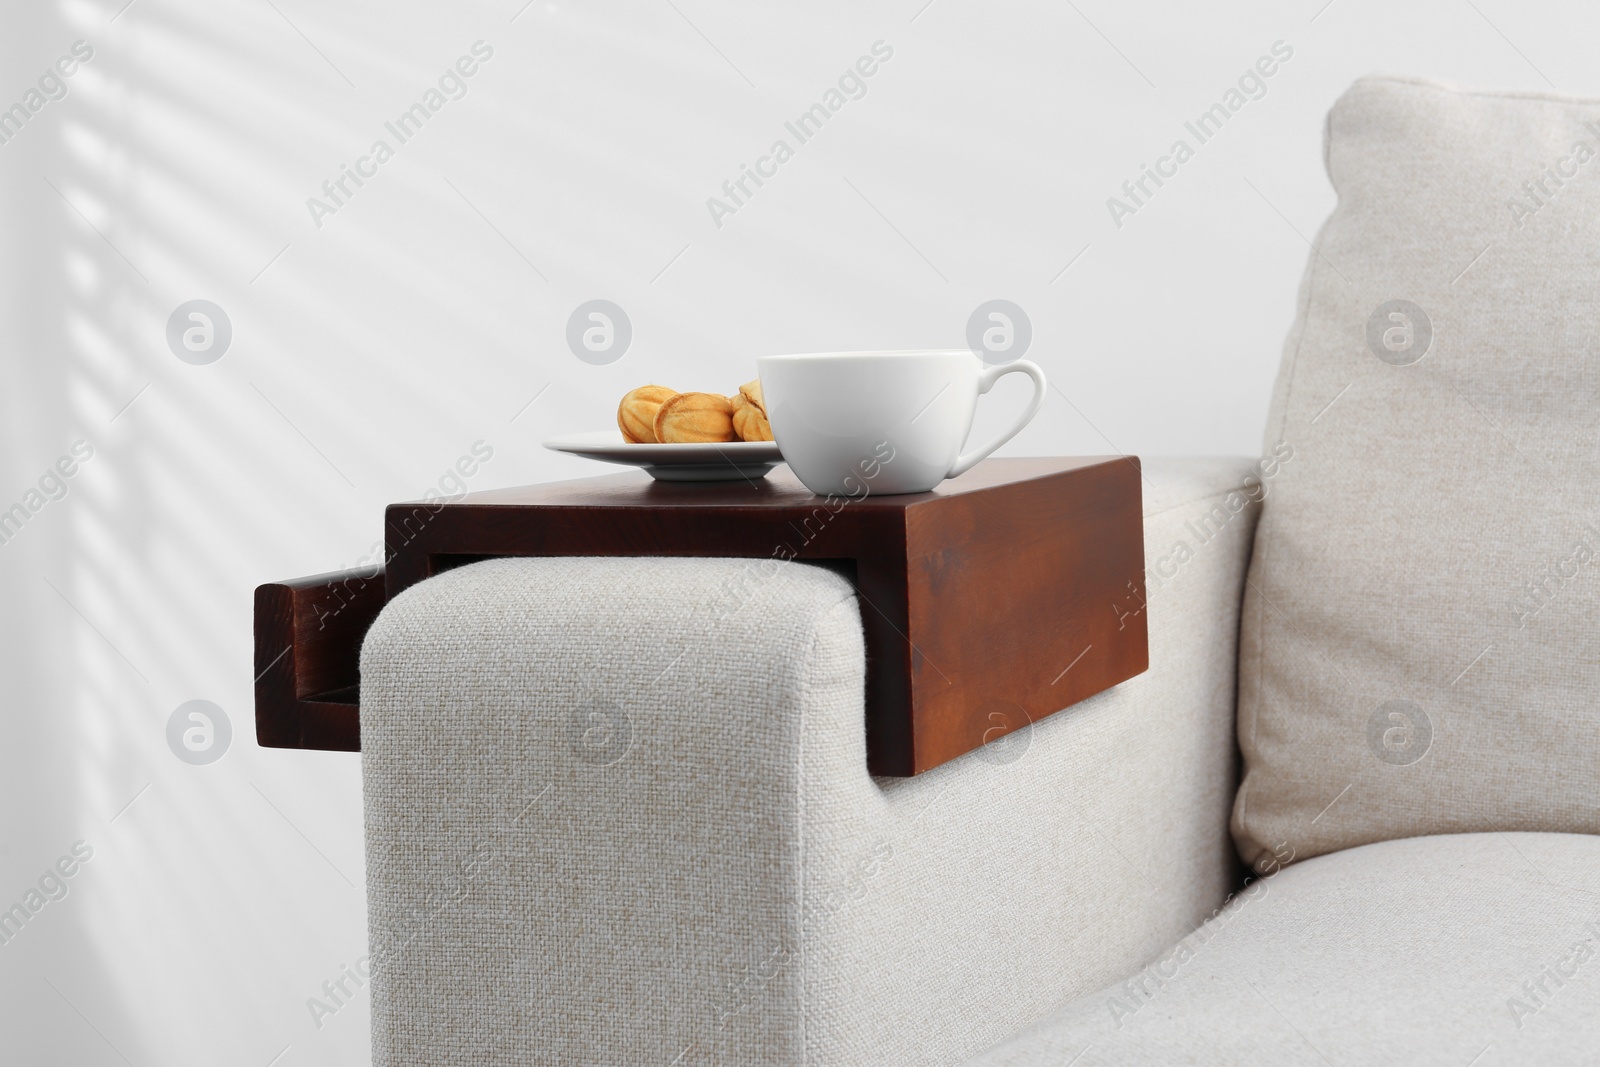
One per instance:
(426,312)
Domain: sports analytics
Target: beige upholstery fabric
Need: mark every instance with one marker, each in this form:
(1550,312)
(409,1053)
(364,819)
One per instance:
(1421,644)
(607,825)
(1456,950)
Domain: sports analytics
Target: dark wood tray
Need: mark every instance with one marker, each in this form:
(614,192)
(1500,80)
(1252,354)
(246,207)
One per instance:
(997,599)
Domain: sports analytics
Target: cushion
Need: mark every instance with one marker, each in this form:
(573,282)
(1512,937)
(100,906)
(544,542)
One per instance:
(1465,949)
(1419,649)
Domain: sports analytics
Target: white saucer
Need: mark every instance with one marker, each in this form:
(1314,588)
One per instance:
(722,462)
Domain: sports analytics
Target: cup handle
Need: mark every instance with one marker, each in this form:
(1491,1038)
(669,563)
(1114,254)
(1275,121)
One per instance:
(986,380)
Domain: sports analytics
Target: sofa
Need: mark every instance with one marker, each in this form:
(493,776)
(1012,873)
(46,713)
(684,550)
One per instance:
(1348,815)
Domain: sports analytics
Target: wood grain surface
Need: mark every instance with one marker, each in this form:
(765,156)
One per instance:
(995,600)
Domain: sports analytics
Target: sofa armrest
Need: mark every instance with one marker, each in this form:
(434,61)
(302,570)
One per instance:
(607,823)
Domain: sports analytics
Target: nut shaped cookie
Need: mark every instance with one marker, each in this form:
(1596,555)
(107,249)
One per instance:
(751,391)
(636,415)
(694,418)
(749,422)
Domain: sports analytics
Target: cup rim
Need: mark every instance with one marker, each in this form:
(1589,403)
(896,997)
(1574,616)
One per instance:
(885,353)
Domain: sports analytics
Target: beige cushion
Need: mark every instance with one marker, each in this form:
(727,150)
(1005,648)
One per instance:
(1421,639)
(712,876)
(1468,950)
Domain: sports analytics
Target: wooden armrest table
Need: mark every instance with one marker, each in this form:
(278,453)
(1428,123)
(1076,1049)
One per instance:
(995,600)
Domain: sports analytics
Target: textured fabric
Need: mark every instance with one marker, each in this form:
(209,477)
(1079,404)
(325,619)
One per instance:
(1480,949)
(618,812)
(1421,641)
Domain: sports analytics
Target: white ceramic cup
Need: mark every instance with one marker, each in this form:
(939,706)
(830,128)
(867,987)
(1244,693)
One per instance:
(860,423)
